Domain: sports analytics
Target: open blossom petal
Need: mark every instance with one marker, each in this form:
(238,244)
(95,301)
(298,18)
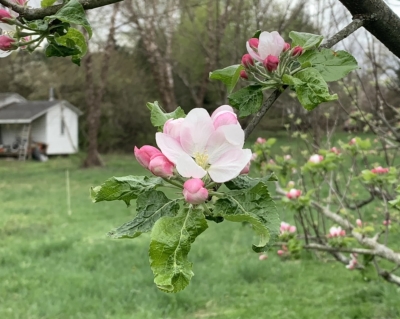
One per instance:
(222,108)
(229,165)
(270,44)
(252,53)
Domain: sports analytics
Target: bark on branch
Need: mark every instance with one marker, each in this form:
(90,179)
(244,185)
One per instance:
(40,13)
(384,23)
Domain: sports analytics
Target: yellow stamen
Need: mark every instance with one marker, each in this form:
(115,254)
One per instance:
(201,159)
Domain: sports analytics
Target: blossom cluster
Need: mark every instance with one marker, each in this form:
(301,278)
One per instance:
(265,54)
(353,261)
(287,228)
(336,232)
(201,148)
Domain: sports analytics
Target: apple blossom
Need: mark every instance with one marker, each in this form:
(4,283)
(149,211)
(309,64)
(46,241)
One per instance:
(160,166)
(4,14)
(292,229)
(263,257)
(271,63)
(353,262)
(387,222)
(335,150)
(359,222)
(272,162)
(353,141)
(336,232)
(206,146)
(284,227)
(224,116)
(172,127)
(287,157)
(290,184)
(280,252)
(380,170)
(6,43)
(243,74)
(297,51)
(145,153)
(247,60)
(316,158)
(268,44)
(260,140)
(293,193)
(194,191)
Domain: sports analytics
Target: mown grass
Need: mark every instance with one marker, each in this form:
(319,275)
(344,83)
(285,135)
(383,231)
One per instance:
(56,265)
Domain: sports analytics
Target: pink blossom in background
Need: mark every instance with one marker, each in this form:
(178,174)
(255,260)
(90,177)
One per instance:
(272,162)
(290,184)
(352,141)
(292,229)
(380,170)
(207,144)
(287,157)
(387,222)
(335,150)
(353,262)
(293,193)
(269,44)
(194,191)
(359,222)
(336,232)
(285,227)
(316,158)
(263,257)
(280,252)
(260,140)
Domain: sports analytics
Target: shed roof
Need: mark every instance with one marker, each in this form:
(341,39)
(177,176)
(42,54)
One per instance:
(26,112)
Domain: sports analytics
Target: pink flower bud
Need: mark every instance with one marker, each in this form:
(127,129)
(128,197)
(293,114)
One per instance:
(271,63)
(280,252)
(243,75)
(387,222)
(380,170)
(145,153)
(335,150)
(260,140)
(254,43)
(352,141)
(247,60)
(160,166)
(246,169)
(315,159)
(272,162)
(342,233)
(287,157)
(359,222)
(4,14)
(286,47)
(293,193)
(297,51)
(225,118)
(284,227)
(20,2)
(194,191)
(263,257)
(292,229)
(6,43)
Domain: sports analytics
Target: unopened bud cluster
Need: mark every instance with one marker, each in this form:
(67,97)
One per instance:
(268,58)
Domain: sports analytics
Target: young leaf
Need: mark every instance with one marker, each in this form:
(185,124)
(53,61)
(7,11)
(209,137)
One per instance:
(332,65)
(305,40)
(253,205)
(150,207)
(75,40)
(171,240)
(73,12)
(244,181)
(314,89)
(229,76)
(247,100)
(40,25)
(47,3)
(124,188)
(158,117)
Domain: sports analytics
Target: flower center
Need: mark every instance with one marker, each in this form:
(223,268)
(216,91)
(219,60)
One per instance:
(201,159)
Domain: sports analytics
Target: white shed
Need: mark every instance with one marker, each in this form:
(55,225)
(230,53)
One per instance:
(51,123)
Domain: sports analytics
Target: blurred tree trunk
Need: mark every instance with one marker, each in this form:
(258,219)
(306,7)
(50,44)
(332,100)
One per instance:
(94,96)
(148,18)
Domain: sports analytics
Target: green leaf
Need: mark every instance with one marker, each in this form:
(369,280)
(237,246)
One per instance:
(332,65)
(229,76)
(73,12)
(305,40)
(158,117)
(257,34)
(247,100)
(244,181)
(150,206)
(75,40)
(47,3)
(53,49)
(124,188)
(314,90)
(39,25)
(171,241)
(255,206)
(291,80)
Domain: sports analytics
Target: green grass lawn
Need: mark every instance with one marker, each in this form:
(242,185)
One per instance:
(56,265)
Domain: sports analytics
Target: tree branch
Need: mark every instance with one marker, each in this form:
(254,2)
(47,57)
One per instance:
(384,24)
(344,33)
(40,13)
